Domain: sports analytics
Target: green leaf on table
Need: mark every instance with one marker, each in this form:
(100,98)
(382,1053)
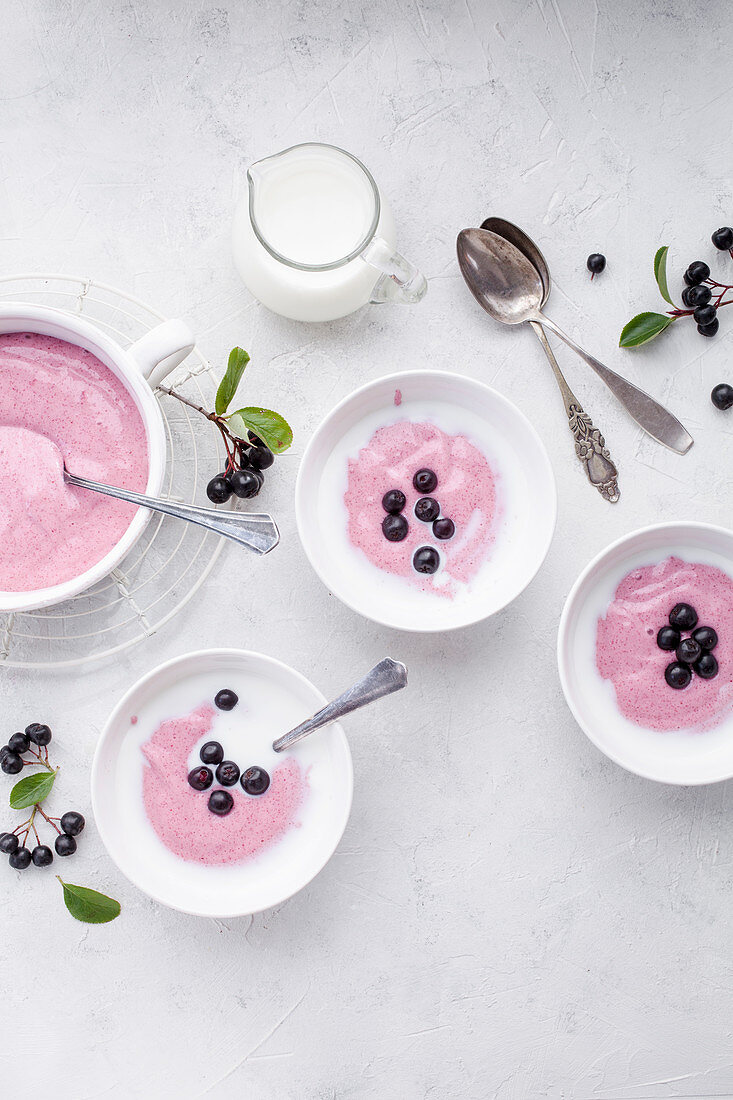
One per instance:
(660,272)
(644,327)
(34,788)
(238,360)
(271,428)
(88,905)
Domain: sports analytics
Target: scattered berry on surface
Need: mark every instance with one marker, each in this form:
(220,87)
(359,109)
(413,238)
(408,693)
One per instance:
(722,396)
(707,667)
(683,617)
(425,481)
(220,803)
(444,528)
(427,509)
(668,638)
(595,263)
(395,528)
(426,559)
(227,773)
(705,637)
(200,778)
(211,753)
(677,675)
(255,780)
(723,238)
(394,501)
(226,699)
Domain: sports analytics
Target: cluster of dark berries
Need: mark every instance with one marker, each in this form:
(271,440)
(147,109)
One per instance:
(595,263)
(253,780)
(692,645)
(67,827)
(243,475)
(702,295)
(395,527)
(11,755)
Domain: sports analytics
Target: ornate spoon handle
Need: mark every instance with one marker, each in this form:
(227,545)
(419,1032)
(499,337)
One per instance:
(590,446)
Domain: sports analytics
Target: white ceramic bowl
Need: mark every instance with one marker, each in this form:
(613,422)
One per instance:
(526,496)
(139,368)
(290,863)
(670,757)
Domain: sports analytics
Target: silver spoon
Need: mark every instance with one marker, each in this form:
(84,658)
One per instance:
(590,446)
(257,531)
(509,288)
(383,679)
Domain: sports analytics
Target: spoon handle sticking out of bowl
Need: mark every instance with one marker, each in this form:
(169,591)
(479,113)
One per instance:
(590,446)
(657,421)
(257,531)
(386,677)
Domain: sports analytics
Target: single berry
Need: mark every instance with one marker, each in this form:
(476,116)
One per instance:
(227,773)
(244,458)
(19,742)
(255,780)
(707,667)
(220,802)
(200,778)
(697,272)
(226,699)
(677,676)
(688,280)
(4,752)
(705,637)
(426,559)
(595,263)
(709,330)
(65,845)
(425,481)
(8,843)
(668,638)
(683,617)
(427,509)
(72,823)
(38,733)
(395,528)
(20,859)
(688,651)
(686,297)
(705,315)
(722,396)
(697,295)
(12,763)
(261,458)
(444,528)
(394,501)
(219,489)
(211,753)
(723,238)
(42,855)
(244,484)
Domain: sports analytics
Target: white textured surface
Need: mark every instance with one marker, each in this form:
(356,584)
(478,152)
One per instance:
(509,915)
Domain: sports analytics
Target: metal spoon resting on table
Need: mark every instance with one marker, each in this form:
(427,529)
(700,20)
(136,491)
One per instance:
(590,446)
(509,288)
(386,677)
(257,531)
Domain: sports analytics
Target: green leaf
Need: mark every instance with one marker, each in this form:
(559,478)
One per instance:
(644,327)
(34,788)
(89,906)
(268,425)
(660,272)
(238,360)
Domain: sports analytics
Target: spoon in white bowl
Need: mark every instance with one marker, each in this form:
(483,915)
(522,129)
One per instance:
(386,677)
(255,530)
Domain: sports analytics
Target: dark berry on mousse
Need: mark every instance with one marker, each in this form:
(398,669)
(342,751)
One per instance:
(395,528)
(723,238)
(697,272)
(42,855)
(705,315)
(444,528)
(255,781)
(705,637)
(595,263)
(19,742)
(688,651)
(426,559)
(260,458)
(697,295)
(244,483)
(72,823)
(683,617)
(425,481)
(220,802)
(722,396)
(227,773)
(709,330)
(707,667)
(20,859)
(8,843)
(38,733)
(677,675)
(12,763)
(668,638)
(394,501)
(427,509)
(200,778)
(219,489)
(211,753)
(65,845)
(226,699)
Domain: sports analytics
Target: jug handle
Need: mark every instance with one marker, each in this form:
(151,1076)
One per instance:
(162,349)
(400,281)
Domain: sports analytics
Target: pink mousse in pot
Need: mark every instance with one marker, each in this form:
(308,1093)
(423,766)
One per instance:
(466,492)
(627,653)
(59,404)
(180,815)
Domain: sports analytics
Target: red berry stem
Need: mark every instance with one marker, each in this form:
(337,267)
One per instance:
(52,821)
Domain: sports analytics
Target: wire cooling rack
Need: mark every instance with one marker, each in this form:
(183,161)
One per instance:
(171,560)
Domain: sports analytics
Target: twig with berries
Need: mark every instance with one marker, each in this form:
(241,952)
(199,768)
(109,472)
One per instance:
(251,436)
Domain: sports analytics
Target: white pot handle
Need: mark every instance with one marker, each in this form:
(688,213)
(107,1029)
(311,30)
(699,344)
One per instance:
(162,349)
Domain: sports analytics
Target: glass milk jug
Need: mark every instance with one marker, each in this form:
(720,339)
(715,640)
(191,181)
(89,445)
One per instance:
(314,239)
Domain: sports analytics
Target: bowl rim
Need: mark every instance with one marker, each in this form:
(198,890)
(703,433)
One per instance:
(563,655)
(96,780)
(394,379)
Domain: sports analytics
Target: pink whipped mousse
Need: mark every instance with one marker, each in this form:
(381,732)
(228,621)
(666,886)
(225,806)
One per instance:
(627,653)
(466,492)
(59,403)
(180,815)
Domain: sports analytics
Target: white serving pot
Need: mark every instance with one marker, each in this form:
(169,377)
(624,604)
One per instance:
(140,368)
